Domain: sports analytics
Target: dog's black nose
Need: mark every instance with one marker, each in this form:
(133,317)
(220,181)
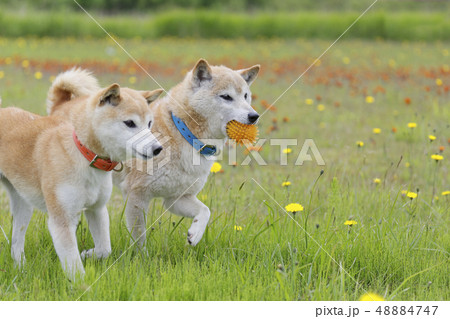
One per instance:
(253,117)
(157,151)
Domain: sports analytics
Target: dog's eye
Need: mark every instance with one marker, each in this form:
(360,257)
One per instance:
(149,124)
(226,97)
(130,124)
(245,96)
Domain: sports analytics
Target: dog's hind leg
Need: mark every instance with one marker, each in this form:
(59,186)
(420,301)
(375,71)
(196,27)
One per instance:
(98,220)
(21,213)
(191,206)
(135,212)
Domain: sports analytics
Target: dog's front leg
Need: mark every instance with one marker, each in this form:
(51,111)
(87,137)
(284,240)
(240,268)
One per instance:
(98,220)
(190,206)
(62,228)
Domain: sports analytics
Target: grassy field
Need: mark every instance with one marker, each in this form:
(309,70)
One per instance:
(253,249)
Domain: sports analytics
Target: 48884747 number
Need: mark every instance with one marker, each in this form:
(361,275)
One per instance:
(405,310)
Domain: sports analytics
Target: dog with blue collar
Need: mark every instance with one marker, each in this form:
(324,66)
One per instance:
(192,113)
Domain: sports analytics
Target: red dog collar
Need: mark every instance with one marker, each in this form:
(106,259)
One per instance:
(95,161)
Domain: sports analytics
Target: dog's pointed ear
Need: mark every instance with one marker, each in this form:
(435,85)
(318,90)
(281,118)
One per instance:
(151,96)
(111,95)
(250,74)
(201,72)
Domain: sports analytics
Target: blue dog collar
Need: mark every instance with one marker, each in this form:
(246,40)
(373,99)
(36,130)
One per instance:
(204,149)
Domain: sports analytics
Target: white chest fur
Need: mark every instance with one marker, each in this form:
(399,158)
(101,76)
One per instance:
(88,191)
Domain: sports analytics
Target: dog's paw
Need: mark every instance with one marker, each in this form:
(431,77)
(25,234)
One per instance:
(194,236)
(99,254)
(19,261)
(87,254)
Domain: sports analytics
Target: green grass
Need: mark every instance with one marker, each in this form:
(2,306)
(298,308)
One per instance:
(399,248)
(216,24)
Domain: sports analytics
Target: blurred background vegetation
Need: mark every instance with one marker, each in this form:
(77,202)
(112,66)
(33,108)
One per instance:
(388,19)
(137,6)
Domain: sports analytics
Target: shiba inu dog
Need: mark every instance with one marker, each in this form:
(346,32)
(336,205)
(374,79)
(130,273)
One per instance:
(196,109)
(64,167)
(202,104)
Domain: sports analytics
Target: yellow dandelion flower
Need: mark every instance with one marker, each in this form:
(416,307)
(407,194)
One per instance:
(371,296)
(38,75)
(350,222)
(237,228)
(286,184)
(2,74)
(370,99)
(294,207)
(438,82)
(360,143)
(132,79)
(431,137)
(407,164)
(411,195)
(287,150)
(412,125)
(376,130)
(346,60)
(216,167)
(309,101)
(8,60)
(320,107)
(445,193)
(25,63)
(437,157)
(377,180)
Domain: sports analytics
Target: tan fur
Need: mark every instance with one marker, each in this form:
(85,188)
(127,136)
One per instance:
(179,181)
(40,166)
(70,84)
(196,100)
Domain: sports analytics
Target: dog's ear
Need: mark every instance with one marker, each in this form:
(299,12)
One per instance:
(150,96)
(111,95)
(201,72)
(250,74)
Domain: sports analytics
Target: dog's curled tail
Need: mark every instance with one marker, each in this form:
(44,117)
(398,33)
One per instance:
(71,84)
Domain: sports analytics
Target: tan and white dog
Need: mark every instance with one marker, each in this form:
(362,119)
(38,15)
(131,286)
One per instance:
(205,101)
(64,167)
